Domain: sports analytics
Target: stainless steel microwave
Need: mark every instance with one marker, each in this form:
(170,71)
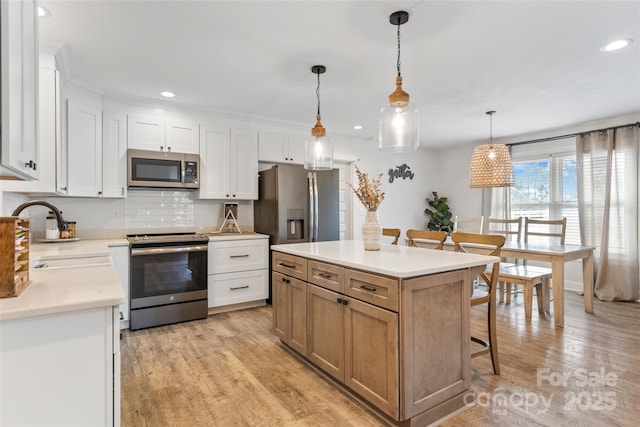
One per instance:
(162,169)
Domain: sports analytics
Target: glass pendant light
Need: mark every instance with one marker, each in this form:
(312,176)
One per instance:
(399,124)
(318,152)
(491,163)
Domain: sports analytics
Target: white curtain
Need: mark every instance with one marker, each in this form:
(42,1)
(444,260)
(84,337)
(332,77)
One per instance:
(607,167)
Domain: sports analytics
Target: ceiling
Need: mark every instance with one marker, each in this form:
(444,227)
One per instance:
(537,63)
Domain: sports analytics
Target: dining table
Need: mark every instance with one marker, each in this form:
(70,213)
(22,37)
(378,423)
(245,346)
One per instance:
(557,255)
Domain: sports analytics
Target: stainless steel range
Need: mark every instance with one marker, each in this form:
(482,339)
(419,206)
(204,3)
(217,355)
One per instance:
(168,278)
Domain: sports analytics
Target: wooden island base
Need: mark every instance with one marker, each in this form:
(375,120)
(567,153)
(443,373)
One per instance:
(390,328)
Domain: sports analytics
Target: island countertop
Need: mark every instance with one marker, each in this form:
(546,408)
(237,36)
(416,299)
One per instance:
(391,260)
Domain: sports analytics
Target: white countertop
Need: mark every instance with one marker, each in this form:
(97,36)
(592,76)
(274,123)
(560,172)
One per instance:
(74,249)
(390,260)
(61,290)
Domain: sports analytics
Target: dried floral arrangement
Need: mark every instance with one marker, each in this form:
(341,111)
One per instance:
(369,190)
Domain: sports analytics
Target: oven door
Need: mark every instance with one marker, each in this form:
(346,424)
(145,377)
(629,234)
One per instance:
(167,275)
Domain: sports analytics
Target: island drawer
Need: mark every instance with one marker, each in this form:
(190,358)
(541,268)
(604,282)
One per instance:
(378,290)
(290,265)
(326,275)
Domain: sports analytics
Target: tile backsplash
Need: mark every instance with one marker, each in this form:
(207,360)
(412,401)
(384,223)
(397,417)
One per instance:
(152,211)
(159,209)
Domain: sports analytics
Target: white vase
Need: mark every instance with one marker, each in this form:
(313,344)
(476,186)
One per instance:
(371,231)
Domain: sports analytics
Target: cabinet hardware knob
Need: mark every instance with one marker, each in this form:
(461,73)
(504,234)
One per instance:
(345,302)
(285,280)
(168,148)
(63,188)
(368,288)
(30,164)
(234,195)
(339,300)
(227,195)
(99,193)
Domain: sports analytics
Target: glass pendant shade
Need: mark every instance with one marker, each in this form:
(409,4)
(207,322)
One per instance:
(399,129)
(318,153)
(491,167)
(318,149)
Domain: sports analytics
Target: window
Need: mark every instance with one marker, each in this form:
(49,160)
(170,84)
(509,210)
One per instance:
(546,188)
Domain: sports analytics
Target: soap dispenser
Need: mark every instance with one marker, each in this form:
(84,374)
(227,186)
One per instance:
(52,232)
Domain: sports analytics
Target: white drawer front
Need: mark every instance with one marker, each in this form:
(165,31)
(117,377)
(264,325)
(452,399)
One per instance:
(234,288)
(239,255)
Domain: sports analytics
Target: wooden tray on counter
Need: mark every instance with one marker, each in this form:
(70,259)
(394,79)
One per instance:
(14,256)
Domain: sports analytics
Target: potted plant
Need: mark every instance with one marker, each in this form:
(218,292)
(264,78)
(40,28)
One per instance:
(439,214)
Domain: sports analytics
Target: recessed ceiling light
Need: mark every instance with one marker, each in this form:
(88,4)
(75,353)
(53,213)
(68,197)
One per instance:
(615,45)
(357,127)
(167,94)
(43,12)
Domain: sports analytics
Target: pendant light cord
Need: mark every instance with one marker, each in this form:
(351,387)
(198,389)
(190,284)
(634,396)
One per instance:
(318,96)
(398,64)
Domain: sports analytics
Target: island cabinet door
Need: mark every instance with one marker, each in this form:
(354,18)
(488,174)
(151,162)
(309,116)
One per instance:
(435,343)
(289,312)
(371,354)
(325,326)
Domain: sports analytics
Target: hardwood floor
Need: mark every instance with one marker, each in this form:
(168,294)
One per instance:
(229,370)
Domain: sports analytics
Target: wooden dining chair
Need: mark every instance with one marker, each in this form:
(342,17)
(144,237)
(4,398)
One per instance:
(468,225)
(426,238)
(528,276)
(511,229)
(491,245)
(392,232)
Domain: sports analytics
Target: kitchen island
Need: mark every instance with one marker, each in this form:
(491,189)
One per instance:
(390,326)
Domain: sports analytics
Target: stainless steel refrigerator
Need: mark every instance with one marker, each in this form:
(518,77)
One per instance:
(296,205)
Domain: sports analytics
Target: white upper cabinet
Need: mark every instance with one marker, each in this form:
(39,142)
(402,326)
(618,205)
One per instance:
(114,154)
(53,174)
(229,163)
(84,149)
(158,134)
(279,148)
(19,87)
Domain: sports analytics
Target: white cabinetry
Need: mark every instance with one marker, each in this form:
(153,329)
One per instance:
(52,169)
(229,163)
(114,154)
(84,149)
(279,148)
(19,87)
(238,271)
(120,260)
(61,369)
(159,134)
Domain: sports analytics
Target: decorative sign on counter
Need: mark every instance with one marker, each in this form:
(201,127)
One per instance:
(403,171)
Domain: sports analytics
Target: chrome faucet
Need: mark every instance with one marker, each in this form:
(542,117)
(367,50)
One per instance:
(62,224)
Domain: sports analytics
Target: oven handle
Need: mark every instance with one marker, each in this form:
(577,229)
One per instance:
(168,250)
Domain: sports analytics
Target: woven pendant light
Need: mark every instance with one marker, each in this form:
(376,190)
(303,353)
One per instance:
(491,164)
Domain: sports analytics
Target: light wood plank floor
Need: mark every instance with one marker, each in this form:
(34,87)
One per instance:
(229,370)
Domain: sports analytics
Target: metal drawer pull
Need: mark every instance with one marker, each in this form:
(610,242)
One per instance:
(287,265)
(324,276)
(239,287)
(239,256)
(367,288)
(285,280)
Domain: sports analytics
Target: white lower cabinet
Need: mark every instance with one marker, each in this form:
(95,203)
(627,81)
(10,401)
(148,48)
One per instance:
(238,271)
(120,260)
(78,352)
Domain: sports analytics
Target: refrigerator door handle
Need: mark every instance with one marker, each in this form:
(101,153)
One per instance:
(315,205)
(312,216)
